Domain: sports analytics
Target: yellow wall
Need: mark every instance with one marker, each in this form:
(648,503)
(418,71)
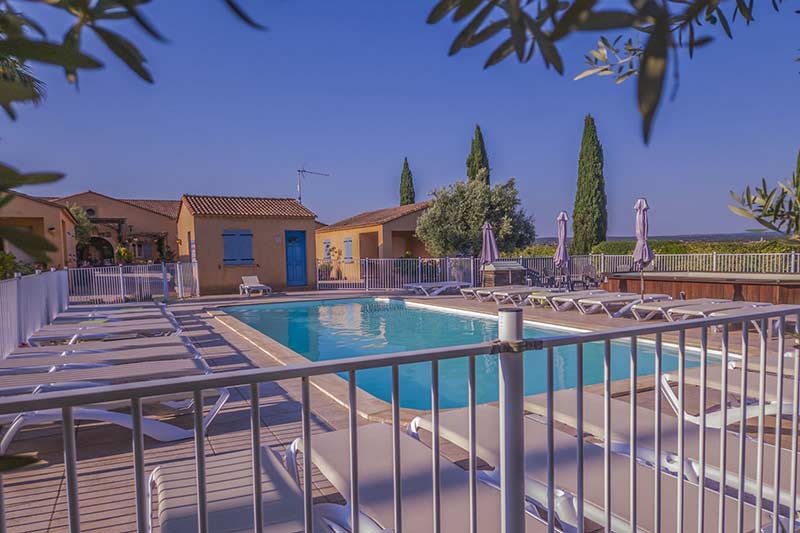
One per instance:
(137,220)
(394,239)
(47,220)
(269,250)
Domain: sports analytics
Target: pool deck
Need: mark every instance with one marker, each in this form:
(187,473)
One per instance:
(36,499)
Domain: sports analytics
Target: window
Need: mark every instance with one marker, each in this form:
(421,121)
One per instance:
(326,250)
(91,212)
(348,249)
(237,247)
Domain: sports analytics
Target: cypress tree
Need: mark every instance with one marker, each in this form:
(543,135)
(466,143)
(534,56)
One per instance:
(589,216)
(407,195)
(477,158)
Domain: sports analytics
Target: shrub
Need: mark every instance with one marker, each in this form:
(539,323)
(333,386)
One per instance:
(535,250)
(700,247)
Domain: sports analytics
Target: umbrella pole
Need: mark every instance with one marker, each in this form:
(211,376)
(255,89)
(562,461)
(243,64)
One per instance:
(641,283)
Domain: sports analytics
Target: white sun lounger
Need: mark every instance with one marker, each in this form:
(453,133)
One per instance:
(565,412)
(454,427)
(484,293)
(772,323)
(99,331)
(251,284)
(618,304)
(100,346)
(659,309)
(519,296)
(330,453)
(705,310)
(91,375)
(71,356)
(229,493)
(567,300)
(434,288)
(750,407)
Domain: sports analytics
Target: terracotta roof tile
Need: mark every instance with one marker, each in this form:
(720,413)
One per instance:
(168,208)
(373,218)
(245,206)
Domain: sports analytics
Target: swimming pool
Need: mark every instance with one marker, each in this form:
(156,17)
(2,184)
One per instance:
(335,329)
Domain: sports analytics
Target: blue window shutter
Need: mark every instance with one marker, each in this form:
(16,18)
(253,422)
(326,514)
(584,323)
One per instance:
(348,249)
(237,247)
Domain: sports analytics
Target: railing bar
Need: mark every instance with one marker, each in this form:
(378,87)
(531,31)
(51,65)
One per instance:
(762,404)
(657,470)
(551,473)
(473,454)
(307,450)
(398,488)
(633,445)
(580,434)
(682,409)
(437,520)
(723,446)
(701,492)
(71,467)
(353,426)
(607,428)
(743,425)
(255,446)
(795,409)
(142,502)
(778,424)
(200,461)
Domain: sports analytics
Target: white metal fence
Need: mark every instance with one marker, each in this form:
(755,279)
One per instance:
(27,303)
(132,283)
(643,473)
(395,273)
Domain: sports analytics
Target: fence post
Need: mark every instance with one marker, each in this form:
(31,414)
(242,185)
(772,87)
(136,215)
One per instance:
(603,263)
(164,283)
(447,268)
(512,445)
(20,322)
(121,285)
(196,278)
(471,271)
(713,261)
(316,271)
(366,274)
(419,270)
(179,280)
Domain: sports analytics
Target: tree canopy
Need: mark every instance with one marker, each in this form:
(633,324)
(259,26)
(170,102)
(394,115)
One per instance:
(407,195)
(453,222)
(668,28)
(589,215)
(478,159)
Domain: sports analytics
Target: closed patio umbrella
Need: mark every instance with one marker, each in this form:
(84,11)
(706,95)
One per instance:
(642,254)
(561,257)
(489,252)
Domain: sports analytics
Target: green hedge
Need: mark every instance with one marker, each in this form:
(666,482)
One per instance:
(535,250)
(700,247)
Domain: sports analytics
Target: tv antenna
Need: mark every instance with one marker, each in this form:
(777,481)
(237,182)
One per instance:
(301,173)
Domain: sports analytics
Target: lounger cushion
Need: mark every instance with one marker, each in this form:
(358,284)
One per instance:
(331,454)
(230,495)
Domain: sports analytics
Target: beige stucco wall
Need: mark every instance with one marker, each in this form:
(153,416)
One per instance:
(337,238)
(390,243)
(269,250)
(137,220)
(49,221)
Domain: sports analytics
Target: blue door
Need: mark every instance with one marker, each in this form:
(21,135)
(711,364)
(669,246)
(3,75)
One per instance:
(296,259)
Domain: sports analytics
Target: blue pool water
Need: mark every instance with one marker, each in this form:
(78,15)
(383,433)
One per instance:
(335,329)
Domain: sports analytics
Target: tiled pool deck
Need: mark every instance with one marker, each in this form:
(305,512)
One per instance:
(36,499)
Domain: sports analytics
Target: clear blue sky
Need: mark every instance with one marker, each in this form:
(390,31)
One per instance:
(351,88)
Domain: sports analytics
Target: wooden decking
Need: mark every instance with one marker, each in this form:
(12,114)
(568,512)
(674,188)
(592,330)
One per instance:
(36,499)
